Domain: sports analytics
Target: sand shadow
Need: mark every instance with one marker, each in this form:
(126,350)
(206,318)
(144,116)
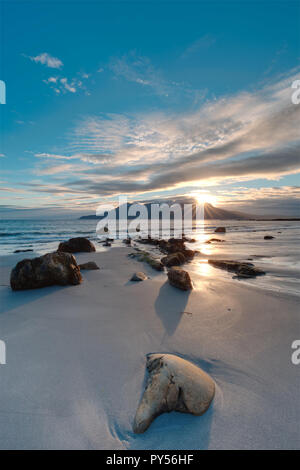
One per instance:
(9,299)
(177,431)
(169,305)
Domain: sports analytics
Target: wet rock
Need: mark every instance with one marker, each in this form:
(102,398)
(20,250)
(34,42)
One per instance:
(173,245)
(189,240)
(173,384)
(241,269)
(22,251)
(127,241)
(189,254)
(220,230)
(107,244)
(139,276)
(268,237)
(217,240)
(77,245)
(90,265)
(145,257)
(48,270)
(179,278)
(149,241)
(175,259)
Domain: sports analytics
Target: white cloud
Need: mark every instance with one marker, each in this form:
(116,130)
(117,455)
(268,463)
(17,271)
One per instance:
(247,136)
(55,169)
(241,137)
(68,86)
(48,60)
(62,85)
(51,80)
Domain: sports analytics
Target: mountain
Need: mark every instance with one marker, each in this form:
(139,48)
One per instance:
(210,212)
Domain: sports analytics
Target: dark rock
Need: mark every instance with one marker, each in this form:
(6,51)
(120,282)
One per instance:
(268,237)
(173,245)
(188,254)
(179,278)
(218,240)
(127,241)
(241,269)
(106,244)
(189,240)
(90,265)
(22,251)
(77,245)
(48,270)
(175,259)
(220,230)
(149,241)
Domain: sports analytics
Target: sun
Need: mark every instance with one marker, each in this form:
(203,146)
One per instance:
(205,197)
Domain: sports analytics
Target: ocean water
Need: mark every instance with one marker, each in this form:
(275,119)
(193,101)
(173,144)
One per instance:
(280,257)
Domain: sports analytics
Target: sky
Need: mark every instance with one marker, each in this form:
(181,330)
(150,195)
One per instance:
(151,100)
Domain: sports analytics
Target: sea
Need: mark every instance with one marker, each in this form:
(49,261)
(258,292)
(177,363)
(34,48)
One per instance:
(243,241)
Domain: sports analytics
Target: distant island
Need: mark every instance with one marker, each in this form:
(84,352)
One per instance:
(210,213)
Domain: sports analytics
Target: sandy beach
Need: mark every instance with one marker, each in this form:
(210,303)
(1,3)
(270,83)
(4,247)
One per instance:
(76,357)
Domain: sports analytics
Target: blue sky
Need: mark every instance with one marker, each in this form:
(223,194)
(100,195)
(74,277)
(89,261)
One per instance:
(149,99)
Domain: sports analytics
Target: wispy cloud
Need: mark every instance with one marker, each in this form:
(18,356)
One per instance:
(138,69)
(199,45)
(247,136)
(273,201)
(47,59)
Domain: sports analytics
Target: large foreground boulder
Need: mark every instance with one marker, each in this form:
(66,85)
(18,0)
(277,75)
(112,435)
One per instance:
(77,245)
(240,268)
(179,278)
(173,384)
(48,270)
